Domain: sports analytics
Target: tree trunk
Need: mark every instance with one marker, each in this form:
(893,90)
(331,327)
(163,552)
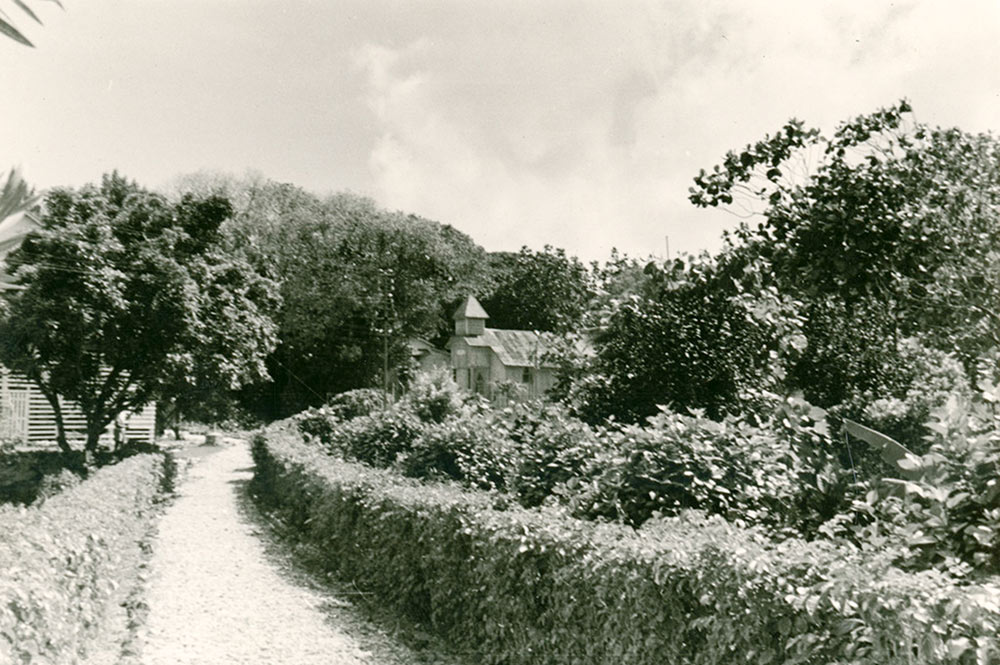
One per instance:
(93,438)
(53,400)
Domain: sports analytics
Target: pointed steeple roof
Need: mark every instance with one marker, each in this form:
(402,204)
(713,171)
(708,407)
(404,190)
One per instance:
(470,309)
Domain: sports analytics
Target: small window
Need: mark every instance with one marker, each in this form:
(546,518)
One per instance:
(526,375)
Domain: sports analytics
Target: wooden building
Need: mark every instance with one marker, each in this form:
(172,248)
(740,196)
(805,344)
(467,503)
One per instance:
(495,362)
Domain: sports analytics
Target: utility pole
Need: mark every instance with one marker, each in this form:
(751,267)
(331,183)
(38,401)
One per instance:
(387,314)
(385,363)
(385,338)
(667,240)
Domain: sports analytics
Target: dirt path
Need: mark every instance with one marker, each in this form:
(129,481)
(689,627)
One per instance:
(217,597)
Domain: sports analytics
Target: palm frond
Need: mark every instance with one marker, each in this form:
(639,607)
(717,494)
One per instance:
(27,10)
(9,30)
(15,195)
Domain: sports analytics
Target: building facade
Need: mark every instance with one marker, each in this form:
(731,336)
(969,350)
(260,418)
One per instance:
(498,363)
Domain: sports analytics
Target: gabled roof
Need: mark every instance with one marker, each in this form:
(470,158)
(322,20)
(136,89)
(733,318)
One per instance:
(471,309)
(514,348)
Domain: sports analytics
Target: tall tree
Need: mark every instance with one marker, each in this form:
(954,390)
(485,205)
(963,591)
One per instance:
(123,297)
(888,230)
(357,282)
(692,337)
(531,290)
(892,210)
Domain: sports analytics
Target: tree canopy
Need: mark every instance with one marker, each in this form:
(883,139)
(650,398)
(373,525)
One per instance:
(356,282)
(531,290)
(126,298)
(864,266)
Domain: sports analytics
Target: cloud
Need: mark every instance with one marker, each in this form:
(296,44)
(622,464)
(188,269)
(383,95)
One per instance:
(581,126)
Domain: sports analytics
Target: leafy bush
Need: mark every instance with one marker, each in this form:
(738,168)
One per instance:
(551,448)
(933,377)
(467,448)
(433,396)
(676,462)
(534,586)
(60,562)
(317,423)
(321,422)
(354,403)
(781,474)
(947,514)
(379,437)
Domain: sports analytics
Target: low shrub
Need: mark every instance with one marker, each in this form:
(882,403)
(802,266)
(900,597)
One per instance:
(468,448)
(54,483)
(434,396)
(379,437)
(60,562)
(317,423)
(946,515)
(551,449)
(23,472)
(536,586)
(354,403)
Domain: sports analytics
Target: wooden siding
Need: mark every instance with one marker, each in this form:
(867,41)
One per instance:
(41,422)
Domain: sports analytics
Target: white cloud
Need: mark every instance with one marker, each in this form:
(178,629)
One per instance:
(587,135)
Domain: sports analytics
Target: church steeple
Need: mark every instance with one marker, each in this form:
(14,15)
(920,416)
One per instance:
(470,318)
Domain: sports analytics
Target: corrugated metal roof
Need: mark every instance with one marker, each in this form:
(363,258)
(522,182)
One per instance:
(471,309)
(515,348)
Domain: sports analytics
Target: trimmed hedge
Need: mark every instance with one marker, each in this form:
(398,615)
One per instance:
(536,586)
(61,562)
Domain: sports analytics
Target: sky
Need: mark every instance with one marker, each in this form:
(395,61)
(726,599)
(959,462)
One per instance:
(520,122)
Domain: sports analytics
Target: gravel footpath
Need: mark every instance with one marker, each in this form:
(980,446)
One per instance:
(217,597)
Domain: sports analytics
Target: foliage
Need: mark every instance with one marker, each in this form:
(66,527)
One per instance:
(9,30)
(894,211)
(54,483)
(546,290)
(61,562)
(933,377)
(858,366)
(15,195)
(465,447)
(695,339)
(521,586)
(551,448)
(780,474)
(354,403)
(322,422)
(946,513)
(127,298)
(434,396)
(24,473)
(317,423)
(378,438)
(357,282)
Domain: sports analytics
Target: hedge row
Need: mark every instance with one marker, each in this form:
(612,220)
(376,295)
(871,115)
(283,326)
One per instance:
(513,585)
(61,562)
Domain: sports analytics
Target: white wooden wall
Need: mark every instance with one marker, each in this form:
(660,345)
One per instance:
(26,414)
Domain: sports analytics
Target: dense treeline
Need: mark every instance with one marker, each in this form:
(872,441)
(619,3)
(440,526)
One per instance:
(866,281)
(862,279)
(357,281)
